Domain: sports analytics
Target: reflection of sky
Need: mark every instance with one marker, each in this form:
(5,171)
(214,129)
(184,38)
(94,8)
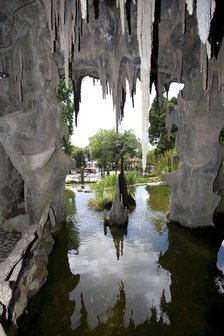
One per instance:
(220,258)
(145,281)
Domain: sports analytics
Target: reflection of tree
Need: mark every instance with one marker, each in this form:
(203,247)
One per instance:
(158,204)
(118,234)
(73,233)
(112,324)
(70,202)
(159,197)
(196,307)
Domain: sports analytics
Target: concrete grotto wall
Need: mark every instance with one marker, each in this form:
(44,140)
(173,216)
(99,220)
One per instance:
(39,42)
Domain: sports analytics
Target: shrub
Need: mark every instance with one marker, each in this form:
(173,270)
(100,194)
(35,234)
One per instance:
(166,163)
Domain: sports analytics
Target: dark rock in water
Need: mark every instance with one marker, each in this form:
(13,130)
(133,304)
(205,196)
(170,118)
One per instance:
(128,201)
(118,213)
(122,201)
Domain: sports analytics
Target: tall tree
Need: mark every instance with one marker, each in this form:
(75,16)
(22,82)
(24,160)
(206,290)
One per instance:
(108,146)
(64,96)
(80,155)
(157,131)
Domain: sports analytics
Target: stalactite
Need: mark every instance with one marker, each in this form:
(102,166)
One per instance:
(146,9)
(209,85)
(83,8)
(204,65)
(220,71)
(190,7)
(209,49)
(205,11)
(183,11)
(122,5)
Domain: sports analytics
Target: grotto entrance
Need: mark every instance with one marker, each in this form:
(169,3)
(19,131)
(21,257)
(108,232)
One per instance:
(159,41)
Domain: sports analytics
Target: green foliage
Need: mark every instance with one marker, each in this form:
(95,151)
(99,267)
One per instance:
(159,197)
(64,96)
(101,203)
(108,146)
(79,154)
(167,162)
(131,178)
(158,135)
(70,201)
(105,191)
(151,158)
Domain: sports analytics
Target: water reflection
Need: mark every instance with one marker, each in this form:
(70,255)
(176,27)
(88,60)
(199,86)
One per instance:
(118,234)
(191,260)
(148,280)
(144,282)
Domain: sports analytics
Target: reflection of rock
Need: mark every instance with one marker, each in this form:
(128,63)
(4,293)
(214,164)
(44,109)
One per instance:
(118,235)
(159,197)
(54,295)
(191,259)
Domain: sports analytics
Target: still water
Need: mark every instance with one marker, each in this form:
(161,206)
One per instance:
(148,279)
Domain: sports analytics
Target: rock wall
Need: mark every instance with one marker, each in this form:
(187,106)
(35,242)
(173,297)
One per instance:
(199,117)
(24,271)
(30,117)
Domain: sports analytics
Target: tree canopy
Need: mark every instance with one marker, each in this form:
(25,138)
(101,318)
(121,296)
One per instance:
(107,146)
(80,155)
(157,132)
(64,96)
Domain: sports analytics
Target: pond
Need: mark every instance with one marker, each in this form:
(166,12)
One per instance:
(148,279)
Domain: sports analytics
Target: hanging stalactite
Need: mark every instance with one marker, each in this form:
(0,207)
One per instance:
(190,6)
(121,4)
(83,8)
(146,10)
(205,11)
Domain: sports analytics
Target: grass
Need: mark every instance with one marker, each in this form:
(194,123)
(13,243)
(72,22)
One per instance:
(105,191)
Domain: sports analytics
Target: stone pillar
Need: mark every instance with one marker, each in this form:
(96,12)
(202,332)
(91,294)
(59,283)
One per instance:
(199,121)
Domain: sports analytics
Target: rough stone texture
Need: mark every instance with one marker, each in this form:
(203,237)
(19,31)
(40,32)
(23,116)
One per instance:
(18,224)
(199,118)
(24,271)
(30,117)
(118,214)
(7,243)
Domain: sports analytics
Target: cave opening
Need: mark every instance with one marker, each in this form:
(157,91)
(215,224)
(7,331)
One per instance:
(97,112)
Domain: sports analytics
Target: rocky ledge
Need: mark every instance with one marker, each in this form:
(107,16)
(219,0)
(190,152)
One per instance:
(23,272)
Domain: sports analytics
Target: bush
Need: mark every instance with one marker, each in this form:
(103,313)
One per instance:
(131,178)
(166,162)
(105,191)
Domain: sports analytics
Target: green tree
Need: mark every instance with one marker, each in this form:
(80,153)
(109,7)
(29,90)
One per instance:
(158,134)
(80,155)
(108,146)
(64,96)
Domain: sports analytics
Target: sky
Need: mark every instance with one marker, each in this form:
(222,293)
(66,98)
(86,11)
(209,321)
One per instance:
(96,112)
